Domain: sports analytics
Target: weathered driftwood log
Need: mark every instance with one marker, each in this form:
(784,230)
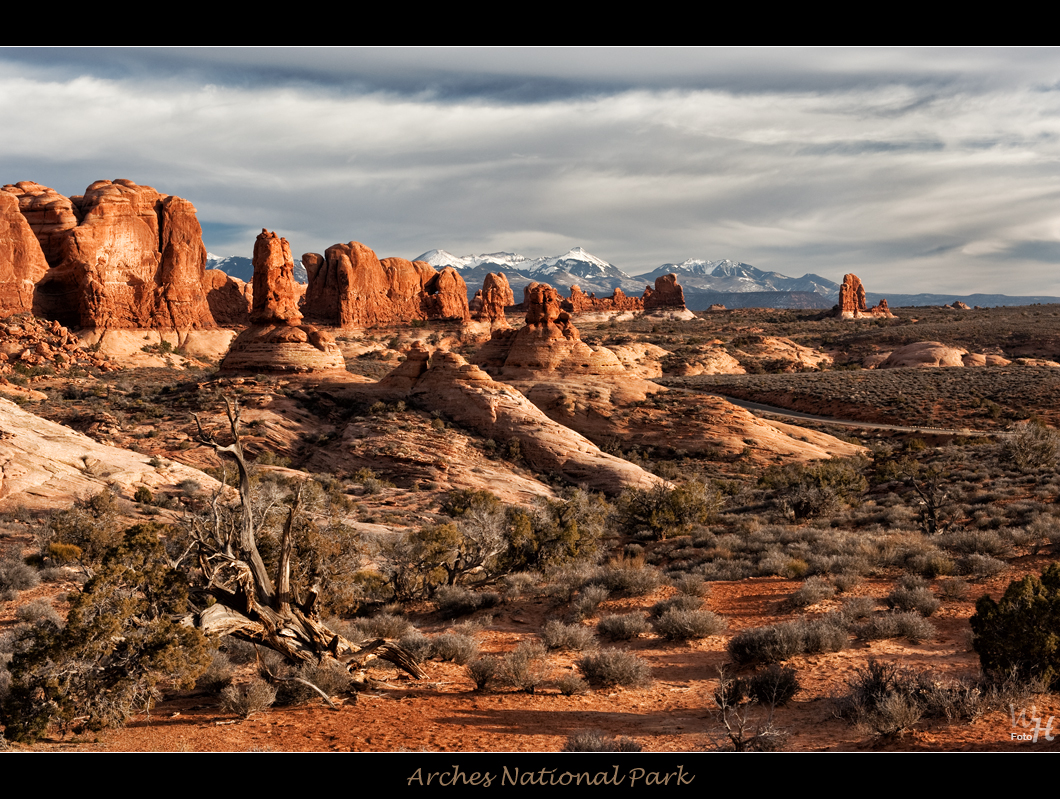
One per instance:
(251,606)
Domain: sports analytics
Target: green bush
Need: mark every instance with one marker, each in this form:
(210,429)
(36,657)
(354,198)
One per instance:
(122,641)
(667,512)
(1020,635)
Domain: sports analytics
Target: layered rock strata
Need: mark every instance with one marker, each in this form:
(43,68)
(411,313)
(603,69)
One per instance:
(276,341)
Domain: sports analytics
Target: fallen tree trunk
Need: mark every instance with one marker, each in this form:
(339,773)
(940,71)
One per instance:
(252,606)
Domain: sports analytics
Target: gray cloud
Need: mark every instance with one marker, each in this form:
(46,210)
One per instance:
(925,170)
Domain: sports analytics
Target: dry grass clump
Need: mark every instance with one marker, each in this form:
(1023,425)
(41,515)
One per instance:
(598,741)
(246,700)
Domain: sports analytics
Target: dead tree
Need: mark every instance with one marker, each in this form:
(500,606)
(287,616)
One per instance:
(253,606)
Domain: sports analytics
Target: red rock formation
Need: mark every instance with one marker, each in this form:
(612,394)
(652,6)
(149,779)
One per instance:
(276,342)
(549,342)
(49,214)
(445,295)
(852,302)
(121,256)
(229,298)
(22,261)
(580,302)
(666,294)
(275,296)
(350,287)
(496,295)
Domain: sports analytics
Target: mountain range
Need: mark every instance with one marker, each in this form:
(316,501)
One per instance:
(725,282)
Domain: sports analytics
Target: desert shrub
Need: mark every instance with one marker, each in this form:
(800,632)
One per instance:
(1018,634)
(1031,446)
(844,581)
(519,584)
(774,685)
(611,667)
(526,667)
(778,642)
(858,607)
(121,641)
(246,700)
(556,532)
(573,637)
(238,651)
(40,610)
(684,625)
(597,741)
(292,688)
(417,644)
(910,625)
(690,585)
(460,649)
(912,594)
(588,601)
(382,625)
(805,491)
(678,602)
(954,589)
(888,700)
(17,575)
(813,590)
(218,674)
(144,496)
(931,564)
(455,600)
(980,566)
(93,525)
(622,628)
(628,577)
(482,671)
(666,512)
(572,685)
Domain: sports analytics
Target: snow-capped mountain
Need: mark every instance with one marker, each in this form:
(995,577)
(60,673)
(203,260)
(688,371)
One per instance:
(576,261)
(243,268)
(701,279)
(733,276)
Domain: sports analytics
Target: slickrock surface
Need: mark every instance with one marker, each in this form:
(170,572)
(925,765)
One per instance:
(44,465)
(935,353)
(471,398)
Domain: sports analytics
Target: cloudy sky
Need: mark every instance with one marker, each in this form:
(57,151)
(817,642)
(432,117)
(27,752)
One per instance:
(920,170)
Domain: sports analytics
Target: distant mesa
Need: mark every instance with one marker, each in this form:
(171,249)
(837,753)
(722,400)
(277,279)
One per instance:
(277,341)
(852,302)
